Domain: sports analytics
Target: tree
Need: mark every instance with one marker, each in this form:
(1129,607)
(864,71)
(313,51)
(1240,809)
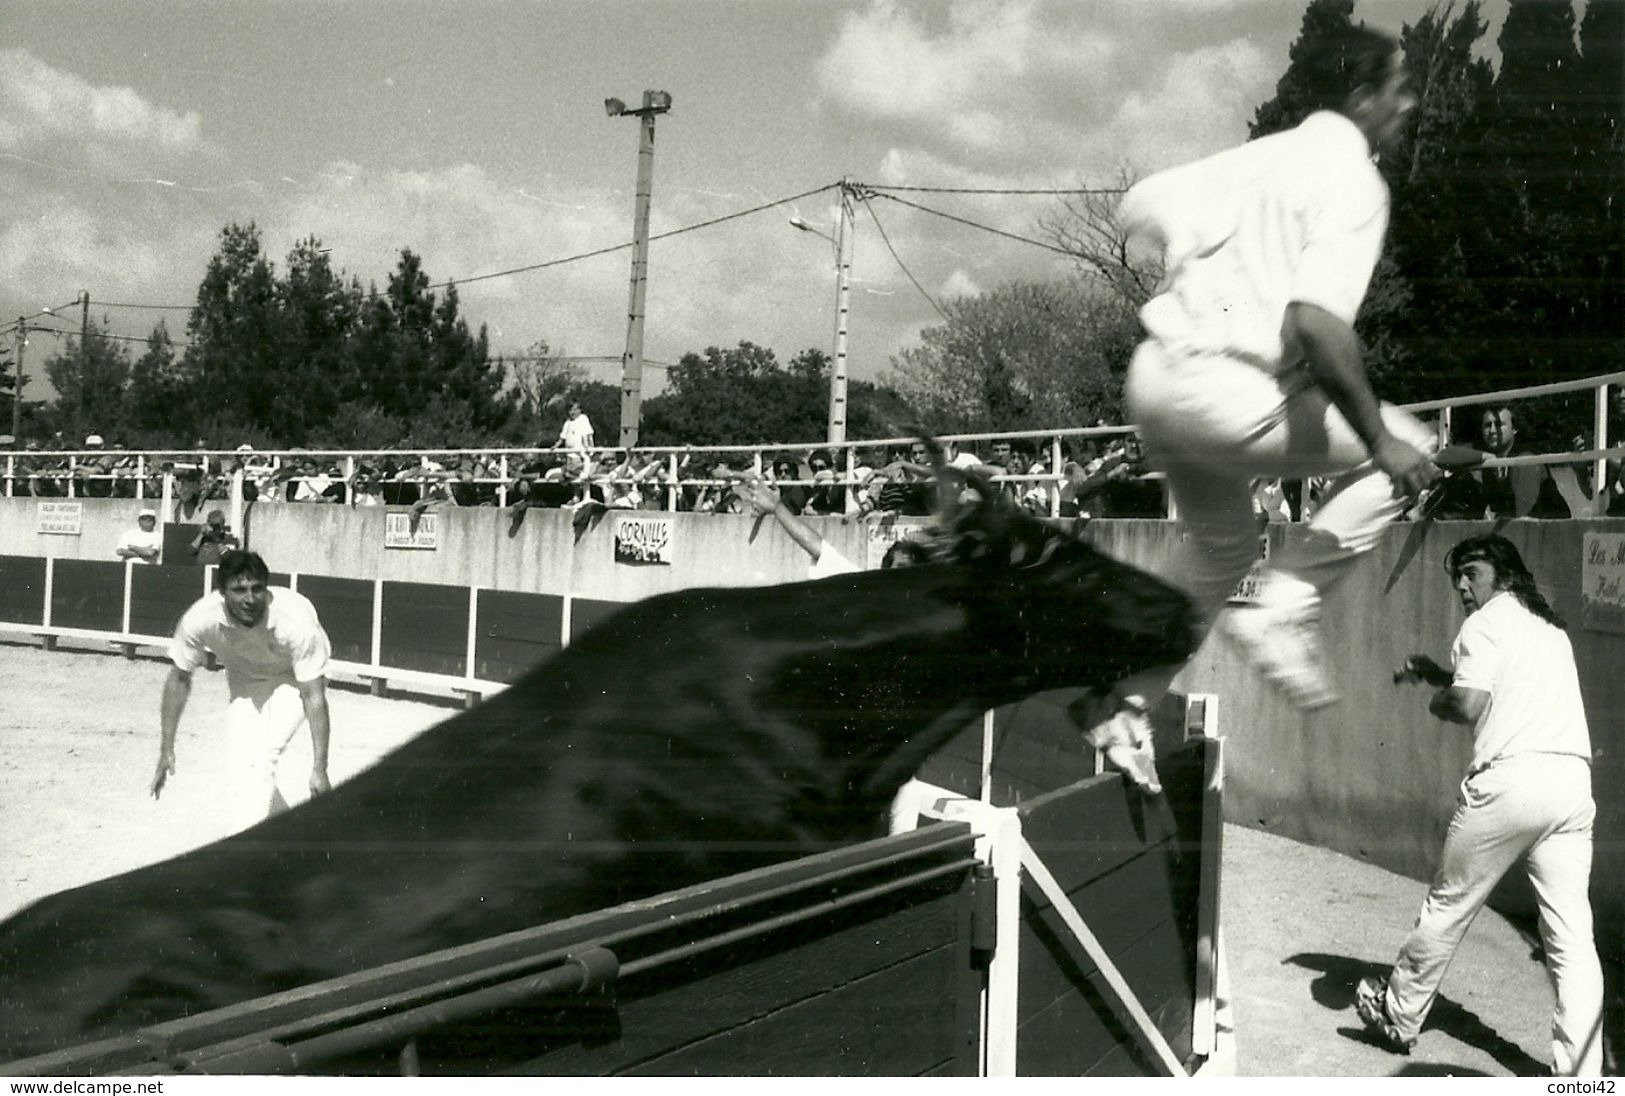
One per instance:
(317,312)
(1025,356)
(738,396)
(415,360)
(89,375)
(152,395)
(231,370)
(1301,88)
(1086,228)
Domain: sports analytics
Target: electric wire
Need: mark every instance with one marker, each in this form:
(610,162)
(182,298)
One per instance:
(875,217)
(973,224)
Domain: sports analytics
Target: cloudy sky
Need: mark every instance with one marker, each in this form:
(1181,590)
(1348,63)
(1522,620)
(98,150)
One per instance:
(474,133)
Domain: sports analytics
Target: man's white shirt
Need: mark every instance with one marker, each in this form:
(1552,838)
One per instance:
(1297,216)
(289,642)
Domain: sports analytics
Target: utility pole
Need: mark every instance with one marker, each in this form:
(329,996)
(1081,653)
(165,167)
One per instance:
(654,103)
(17,390)
(843,296)
(84,351)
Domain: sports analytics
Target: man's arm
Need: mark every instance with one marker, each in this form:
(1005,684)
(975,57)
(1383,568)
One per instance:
(313,694)
(1337,365)
(765,499)
(177,689)
(1459,704)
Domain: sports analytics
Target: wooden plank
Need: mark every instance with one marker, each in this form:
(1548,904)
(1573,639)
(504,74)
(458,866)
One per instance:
(159,594)
(425,627)
(88,593)
(345,606)
(1120,908)
(666,1009)
(891,1023)
(1073,1032)
(22,589)
(957,765)
(1088,829)
(517,631)
(1124,998)
(1125,1060)
(1208,888)
(87,1060)
(586,612)
(719,899)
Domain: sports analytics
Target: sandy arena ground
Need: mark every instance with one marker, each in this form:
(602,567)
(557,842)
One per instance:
(78,746)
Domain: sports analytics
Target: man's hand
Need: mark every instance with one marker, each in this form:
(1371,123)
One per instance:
(1412,470)
(166,769)
(1421,668)
(318,781)
(762,496)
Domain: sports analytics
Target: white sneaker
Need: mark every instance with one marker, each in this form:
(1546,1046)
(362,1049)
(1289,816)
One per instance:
(1285,648)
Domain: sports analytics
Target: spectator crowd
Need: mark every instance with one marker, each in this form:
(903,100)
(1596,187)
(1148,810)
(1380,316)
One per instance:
(1102,476)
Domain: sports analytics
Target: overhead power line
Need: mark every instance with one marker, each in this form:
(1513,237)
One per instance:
(875,217)
(993,190)
(623,247)
(973,224)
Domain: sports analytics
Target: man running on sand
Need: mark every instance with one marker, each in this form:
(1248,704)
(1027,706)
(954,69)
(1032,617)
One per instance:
(275,653)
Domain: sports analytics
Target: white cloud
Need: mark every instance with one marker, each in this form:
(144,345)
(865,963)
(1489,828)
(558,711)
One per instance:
(1038,89)
(41,105)
(1199,104)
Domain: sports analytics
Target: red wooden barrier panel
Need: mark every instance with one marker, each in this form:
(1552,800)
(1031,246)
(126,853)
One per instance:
(425,627)
(22,589)
(516,631)
(88,593)
(345,606)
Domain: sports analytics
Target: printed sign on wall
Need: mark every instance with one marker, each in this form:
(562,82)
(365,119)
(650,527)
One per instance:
(883,534)
(643,540)
(398,531)
(60,519)
(1246,591)
(1602,582)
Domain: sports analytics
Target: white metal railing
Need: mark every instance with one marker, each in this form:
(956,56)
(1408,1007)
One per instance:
(499,470)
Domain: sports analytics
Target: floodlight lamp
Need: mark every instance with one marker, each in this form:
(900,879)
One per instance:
(613,107)
(659,100)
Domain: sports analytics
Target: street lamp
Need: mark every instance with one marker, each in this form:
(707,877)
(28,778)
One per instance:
(654,103)
(842,242)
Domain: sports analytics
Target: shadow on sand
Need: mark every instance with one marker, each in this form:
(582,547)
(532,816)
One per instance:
(1334,989)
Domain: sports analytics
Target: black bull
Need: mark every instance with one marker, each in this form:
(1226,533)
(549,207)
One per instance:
(691,736)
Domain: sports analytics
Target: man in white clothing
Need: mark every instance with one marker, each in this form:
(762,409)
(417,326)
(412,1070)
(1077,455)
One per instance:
(575,436)
(144,543)
(1252,367)
(1527,796)
(275,653)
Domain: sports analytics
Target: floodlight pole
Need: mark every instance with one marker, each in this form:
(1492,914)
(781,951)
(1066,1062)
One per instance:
(654,103)
(843,299)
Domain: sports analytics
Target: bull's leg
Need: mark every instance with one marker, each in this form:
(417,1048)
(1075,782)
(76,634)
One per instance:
(1118,726)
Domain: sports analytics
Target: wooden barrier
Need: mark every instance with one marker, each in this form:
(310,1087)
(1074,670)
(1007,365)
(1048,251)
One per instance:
(853,962)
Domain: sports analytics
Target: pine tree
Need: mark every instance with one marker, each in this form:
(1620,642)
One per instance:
(1297,92)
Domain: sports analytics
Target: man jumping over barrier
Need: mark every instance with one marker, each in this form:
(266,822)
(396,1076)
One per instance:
(1252,366)
(275,653)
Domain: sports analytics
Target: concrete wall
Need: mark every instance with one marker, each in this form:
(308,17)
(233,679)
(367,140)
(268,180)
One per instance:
(1374,776)
(477,547)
